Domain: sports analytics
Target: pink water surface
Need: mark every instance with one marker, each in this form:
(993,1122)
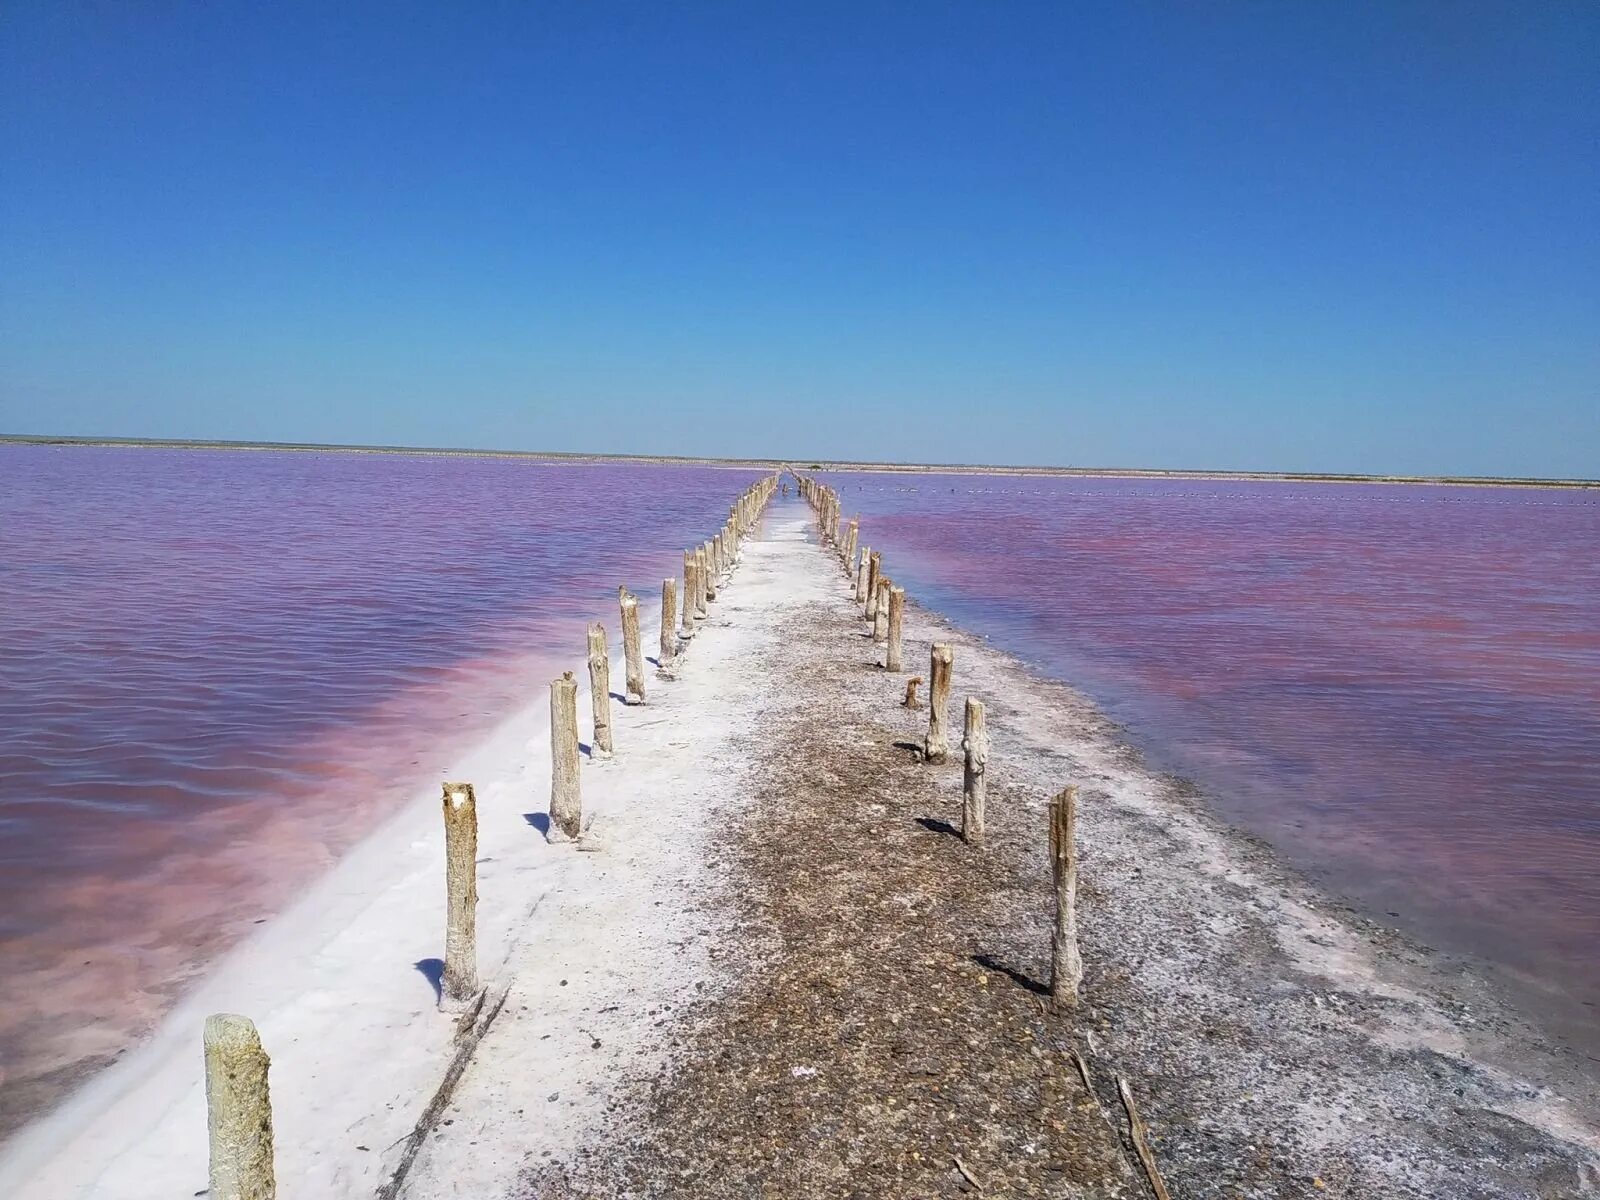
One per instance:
(218,668)
(1398,685)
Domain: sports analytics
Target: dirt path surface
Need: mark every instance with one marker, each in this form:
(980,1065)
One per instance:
(884,1033)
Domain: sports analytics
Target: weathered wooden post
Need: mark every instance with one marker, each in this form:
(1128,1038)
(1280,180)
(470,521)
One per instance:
(719,552)
(1066,964)
(880,619)
(702,585)
(669,626)
(874,569)
(861,576)
(633,656)
(974,789)
(460,981)
(708,570)
(937,745)
(911,700)
(238,1110)
(896,621)
(566,804)
(686,630)
(600,745)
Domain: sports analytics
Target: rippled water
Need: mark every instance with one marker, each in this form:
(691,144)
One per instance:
(1399,685)
(218,668)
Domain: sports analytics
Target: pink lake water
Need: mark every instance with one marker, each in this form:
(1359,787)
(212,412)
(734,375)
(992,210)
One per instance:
(219,668)
(1396,685)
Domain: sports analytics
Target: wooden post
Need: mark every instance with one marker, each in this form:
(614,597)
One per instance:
(896,622)
(880,619)
(861,577)
(687,629)
(937,745)
(874,567)
(702,585)
(974,788)
(566,804)
(911,700)
(708,571)
(600,691)
(1066,965)
(669,625)
(460,980)
(719,553)
(238,1110)
(632,656)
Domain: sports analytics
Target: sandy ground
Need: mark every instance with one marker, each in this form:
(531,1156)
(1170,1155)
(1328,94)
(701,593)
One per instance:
(770,969)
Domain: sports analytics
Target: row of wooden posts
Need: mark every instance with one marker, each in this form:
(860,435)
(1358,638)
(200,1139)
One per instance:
(238,1104)
(883,607)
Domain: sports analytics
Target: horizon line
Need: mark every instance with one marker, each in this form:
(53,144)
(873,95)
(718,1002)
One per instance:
(810,463)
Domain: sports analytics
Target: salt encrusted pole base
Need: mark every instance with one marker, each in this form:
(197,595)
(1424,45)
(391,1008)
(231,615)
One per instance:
(238,1110)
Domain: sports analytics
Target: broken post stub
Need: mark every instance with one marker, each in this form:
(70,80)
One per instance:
(460,981)
(911,700)
(669,627)
(600,746)
(566,804)
(937,746)
(238,1110)
(632,654)
(974,787)
(894,625)
(1066,964)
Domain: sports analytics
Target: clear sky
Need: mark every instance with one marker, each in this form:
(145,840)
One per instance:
(1301,236)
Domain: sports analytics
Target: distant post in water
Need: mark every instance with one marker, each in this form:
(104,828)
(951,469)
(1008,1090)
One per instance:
(600,691)
(1066,964)
(566,804)
(975,743)
(669,625)
(238,1110)
(632,655)
(937,746)
(460,980)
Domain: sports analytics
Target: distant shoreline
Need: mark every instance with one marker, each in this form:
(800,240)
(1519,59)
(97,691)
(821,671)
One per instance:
(811,464)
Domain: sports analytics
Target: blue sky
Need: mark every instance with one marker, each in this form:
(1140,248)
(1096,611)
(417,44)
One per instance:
(1355,237)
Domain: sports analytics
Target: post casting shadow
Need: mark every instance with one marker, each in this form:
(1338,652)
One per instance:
(1027,982)
(540,821)
(433,971)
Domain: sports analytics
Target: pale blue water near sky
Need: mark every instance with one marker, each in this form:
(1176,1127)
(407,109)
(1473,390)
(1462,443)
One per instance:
(1398,685)
(1346,237)
(219,669)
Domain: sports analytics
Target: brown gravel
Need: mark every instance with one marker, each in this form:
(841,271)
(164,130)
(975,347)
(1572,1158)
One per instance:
(883,1048)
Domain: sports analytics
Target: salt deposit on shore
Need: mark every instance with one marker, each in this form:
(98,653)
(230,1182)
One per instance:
(1280,1045)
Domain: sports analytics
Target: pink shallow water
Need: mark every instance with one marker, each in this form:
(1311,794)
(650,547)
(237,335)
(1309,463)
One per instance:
(217,669)
(1397,685)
